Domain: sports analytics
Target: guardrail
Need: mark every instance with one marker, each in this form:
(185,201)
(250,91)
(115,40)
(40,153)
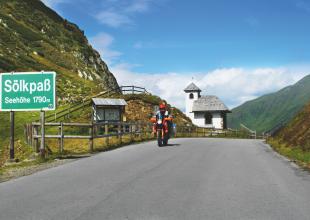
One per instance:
(251,132)
(274,130)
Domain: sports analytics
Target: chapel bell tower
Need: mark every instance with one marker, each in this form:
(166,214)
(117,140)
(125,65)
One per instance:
(192,93)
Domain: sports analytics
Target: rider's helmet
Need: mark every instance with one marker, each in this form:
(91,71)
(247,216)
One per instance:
(162,107)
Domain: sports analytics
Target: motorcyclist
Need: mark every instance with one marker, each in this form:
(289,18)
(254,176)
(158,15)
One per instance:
(161,114)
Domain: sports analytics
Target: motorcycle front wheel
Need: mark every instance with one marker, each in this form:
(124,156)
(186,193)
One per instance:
(165,140)
(159,138)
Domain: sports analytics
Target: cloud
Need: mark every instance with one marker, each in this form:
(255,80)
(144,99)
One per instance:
(233,85)
(53,3)
(102,42)
(113,19)
(252,22)
(303,6)
(138,6)
(120,13)
(138,45)
(148,45)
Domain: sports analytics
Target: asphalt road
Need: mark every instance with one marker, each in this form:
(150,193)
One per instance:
(191,179)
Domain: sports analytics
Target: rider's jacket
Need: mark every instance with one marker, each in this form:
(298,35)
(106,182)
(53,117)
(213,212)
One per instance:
(160,115)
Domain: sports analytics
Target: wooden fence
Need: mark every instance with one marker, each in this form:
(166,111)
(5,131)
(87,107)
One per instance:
(189,131)
(95,131)
(132,90)
(105,130)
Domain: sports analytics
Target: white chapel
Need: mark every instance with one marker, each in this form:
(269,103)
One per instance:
(205,111)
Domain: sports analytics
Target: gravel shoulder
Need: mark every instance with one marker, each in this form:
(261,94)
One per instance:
(16,170)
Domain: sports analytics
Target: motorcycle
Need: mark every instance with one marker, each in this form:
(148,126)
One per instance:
(161,129)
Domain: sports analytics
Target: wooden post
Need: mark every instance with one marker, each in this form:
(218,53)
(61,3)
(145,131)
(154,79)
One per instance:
(134,129)
(106,132)
(61,139)
(131,130)
(91,139)
(42,146)
(12,117)
(119,131)
(30,133)
(35,142)
(124,129)
(26,133)
(140,130)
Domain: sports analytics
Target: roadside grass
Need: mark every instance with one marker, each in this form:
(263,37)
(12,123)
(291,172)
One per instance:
(73,149)
(81,147)
(21,118)
(294,153)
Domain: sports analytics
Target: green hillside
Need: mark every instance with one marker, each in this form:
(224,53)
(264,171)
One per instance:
(268,111)
(34,38)
(293,140)
(297,132)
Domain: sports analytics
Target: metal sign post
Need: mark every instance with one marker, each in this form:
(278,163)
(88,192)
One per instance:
(12,136)
(42,146)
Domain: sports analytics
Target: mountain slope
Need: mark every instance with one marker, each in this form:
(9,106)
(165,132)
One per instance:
(35,38)
(268,111)
(297,132)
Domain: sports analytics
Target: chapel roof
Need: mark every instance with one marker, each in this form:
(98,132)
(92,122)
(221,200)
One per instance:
(209,103)
(192,88)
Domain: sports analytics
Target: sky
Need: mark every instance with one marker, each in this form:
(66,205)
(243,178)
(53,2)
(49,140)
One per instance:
(235,49)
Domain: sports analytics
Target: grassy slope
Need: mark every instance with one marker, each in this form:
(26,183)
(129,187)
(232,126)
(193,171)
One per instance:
(269,110)
(293,140)
(297,132)
(296,154)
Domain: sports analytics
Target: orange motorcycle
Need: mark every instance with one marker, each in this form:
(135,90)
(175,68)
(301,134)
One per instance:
(161,129)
